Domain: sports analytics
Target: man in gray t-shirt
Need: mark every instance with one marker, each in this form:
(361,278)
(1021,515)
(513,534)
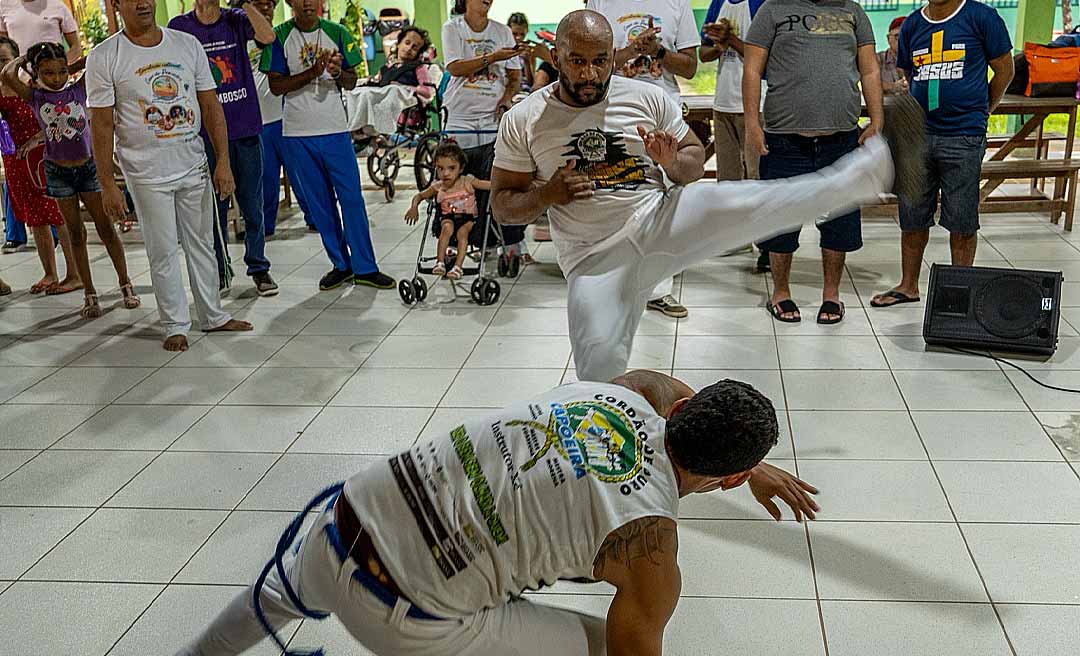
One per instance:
(813,54)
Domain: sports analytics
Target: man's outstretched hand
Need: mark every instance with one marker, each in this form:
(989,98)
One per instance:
(767,482)
(662,147)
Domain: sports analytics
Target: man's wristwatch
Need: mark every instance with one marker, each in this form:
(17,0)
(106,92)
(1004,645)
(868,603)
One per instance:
(661,52)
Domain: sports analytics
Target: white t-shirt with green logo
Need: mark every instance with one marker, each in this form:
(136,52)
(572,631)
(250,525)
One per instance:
(316,108)
(515,500)
(270,106)
(541,133)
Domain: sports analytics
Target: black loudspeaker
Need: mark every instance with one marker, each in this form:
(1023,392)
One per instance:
(993,309)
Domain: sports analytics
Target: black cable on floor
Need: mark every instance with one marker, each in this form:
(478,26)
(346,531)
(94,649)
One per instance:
(1018,368)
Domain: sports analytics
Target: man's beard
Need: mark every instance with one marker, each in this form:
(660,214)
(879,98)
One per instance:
(574,91)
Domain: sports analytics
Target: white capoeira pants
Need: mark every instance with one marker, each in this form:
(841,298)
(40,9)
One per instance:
(325,583)
(608,290)
(171,215)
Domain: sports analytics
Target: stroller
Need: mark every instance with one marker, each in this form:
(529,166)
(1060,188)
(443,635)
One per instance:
(486,236)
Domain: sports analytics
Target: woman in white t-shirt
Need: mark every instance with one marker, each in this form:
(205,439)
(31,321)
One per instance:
(485,64)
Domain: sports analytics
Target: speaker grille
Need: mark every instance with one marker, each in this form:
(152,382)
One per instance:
(1009,306)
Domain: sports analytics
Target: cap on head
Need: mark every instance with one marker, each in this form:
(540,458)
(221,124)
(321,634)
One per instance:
(896,23)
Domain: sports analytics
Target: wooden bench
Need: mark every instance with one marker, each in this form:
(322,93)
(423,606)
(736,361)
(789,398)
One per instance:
(1064,172)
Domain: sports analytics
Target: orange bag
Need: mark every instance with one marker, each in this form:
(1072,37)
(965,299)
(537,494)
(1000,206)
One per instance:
(1051,71)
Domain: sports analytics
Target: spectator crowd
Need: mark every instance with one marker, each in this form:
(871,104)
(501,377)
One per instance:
(178,123)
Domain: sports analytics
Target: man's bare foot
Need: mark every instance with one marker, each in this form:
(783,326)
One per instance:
(176,343)
(65,286)
(42,285)
(232,326)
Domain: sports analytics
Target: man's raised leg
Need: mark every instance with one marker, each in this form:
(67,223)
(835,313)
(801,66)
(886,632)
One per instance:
(706,219)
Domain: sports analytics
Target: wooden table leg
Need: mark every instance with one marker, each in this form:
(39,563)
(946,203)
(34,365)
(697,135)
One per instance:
(1059,196)
(1070,135)
(1038,184)
(1070,203)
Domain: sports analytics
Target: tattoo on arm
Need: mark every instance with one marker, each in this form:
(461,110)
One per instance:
(651,538)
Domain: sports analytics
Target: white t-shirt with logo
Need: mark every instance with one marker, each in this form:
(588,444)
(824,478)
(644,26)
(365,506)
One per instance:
(270,106)
(476,96)
(541,133)
(518,499)
(678,30)
(156,111)
(729,67)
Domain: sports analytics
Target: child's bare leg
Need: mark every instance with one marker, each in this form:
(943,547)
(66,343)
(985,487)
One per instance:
(72,280)
(463,242)
(43,241)
(76,242)
(105,230)
(446,230)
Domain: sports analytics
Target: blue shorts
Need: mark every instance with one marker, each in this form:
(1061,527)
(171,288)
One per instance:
(68,181)
(791,155)
(954,167)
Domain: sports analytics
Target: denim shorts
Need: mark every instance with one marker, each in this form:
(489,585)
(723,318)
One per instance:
(954,166)
(68,181)
(793,154)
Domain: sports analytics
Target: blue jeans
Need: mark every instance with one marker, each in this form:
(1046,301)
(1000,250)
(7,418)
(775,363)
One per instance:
(273,161)
(326,167)
(245,156)
(954,166)
(793,154)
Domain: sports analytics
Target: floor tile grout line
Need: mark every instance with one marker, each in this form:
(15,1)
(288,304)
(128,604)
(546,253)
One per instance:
(952,511)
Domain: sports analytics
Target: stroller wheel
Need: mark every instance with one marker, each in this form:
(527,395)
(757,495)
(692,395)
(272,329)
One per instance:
(513,267)
(420,289)
(374,167)
(405,290)
(485,291)
(504,266)
(388,190)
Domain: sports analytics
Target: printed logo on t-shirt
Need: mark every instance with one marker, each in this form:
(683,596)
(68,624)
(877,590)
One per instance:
(223,70)
(937,63)
(599,438)
(643,67)
(63,121)
(603,157)
(486,78)
(168,111)
(824,24)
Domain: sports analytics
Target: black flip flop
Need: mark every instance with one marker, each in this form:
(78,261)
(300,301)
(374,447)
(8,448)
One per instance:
(830,307)
(786,306)
(900,299)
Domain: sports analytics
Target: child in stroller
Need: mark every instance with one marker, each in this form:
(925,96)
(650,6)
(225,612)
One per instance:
(456,209)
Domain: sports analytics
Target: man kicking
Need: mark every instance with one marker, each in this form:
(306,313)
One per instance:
(593,151)
(427,553)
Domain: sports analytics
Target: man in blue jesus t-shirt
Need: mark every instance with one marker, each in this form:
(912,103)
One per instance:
(945,49)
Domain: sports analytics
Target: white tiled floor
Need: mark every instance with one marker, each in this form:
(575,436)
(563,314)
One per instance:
(139,488)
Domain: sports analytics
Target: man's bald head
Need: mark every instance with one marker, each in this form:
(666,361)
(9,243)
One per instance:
(585,56)
(583,28)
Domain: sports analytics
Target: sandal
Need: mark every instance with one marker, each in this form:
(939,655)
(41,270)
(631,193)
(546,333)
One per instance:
(439,269)
(91,308)
(131,300)
(5,288)
(41,286)
(455,273)
(897,296)
(60,288)
(830,307)
(786,306)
